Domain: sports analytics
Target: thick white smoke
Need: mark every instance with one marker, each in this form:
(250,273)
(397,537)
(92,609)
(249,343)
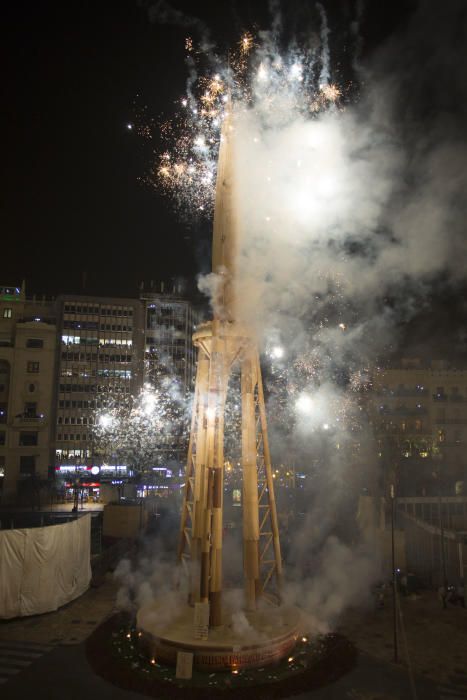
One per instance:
(352,206)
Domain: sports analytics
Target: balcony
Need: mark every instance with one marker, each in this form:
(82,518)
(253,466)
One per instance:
(403,411)
(450,421)
(455,398)
(395,431)
(397,393)
(25,420)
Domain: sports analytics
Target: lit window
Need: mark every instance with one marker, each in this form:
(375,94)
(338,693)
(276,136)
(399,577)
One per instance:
(7,313)
(71,339)
(33,367)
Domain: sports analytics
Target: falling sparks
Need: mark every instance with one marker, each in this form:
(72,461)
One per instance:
(131,431)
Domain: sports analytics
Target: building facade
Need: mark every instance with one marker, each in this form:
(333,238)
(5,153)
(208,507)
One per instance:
(111,350)
(419,417)
(170,360)
(100,350)
(64,362)
(170,321)
(27,388)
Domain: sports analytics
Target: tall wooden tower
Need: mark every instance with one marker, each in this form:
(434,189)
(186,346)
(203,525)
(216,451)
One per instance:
(224,345)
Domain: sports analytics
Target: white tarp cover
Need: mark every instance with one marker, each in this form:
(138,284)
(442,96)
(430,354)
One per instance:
(43,568)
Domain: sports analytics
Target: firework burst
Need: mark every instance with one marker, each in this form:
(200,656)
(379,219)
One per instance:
(256,76)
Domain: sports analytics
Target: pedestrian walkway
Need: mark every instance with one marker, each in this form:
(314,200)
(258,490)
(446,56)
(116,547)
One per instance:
(16,656)
(435,639)
(70,624)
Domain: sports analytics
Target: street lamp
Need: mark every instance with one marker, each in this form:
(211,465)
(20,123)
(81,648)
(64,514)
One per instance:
(441,532)
(394,577)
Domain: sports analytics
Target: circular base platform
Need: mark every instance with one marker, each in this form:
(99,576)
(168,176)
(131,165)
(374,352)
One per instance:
(244,640)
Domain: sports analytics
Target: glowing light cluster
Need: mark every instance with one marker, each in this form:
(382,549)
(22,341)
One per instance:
(138,430)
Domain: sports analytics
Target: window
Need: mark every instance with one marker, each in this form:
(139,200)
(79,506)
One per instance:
(7,313)
(34,343)
(406,449)
(32,387)
(33,367)
(28,439)
(2,437)
(27,465)
(71,339)
(30,409)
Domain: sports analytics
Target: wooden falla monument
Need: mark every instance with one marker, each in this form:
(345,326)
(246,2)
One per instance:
(205,618)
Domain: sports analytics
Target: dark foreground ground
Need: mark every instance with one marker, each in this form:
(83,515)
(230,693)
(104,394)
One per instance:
(44,657)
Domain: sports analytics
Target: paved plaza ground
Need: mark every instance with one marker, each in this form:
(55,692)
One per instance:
(436,638)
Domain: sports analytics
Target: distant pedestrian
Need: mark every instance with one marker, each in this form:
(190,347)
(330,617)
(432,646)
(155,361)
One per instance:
(461,592)
(442,595)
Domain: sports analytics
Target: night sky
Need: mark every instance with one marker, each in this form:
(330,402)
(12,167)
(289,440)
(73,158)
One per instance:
(72,202)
